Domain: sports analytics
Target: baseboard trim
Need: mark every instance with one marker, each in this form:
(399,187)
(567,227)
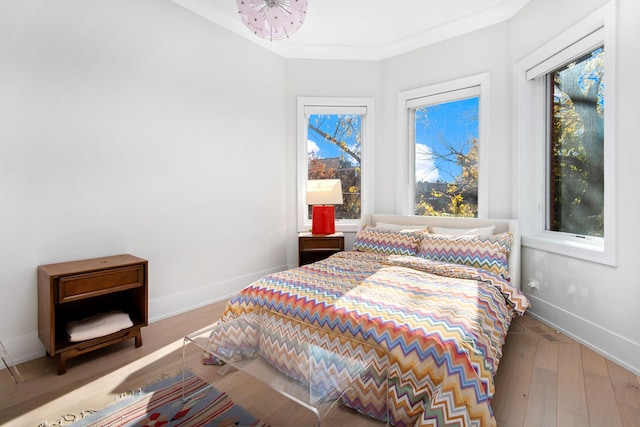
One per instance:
(611,345)
(26,347)
(181,302)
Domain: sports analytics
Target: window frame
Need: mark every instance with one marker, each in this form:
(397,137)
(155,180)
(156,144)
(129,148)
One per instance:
(336,105)
(477,85)
(531,132)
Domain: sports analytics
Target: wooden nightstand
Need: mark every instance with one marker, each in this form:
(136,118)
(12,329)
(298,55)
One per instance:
(316,247)
(79,289)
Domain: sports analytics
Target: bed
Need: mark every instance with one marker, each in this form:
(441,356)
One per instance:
(437,295)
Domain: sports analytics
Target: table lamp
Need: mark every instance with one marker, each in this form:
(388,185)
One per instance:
(322,194)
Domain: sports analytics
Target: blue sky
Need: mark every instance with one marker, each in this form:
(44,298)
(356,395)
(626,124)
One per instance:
(453,123)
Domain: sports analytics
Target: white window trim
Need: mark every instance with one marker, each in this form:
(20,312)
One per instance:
(479,84)
(329,105)
(530,129)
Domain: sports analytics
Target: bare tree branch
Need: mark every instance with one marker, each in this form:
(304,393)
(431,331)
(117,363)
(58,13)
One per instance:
(335,141)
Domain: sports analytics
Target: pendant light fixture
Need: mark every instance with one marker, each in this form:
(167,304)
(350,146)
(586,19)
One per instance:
(272,19)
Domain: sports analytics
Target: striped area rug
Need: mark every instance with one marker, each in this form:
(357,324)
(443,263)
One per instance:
(161,404)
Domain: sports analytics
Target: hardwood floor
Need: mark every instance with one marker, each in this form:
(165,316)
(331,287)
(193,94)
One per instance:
(545,379)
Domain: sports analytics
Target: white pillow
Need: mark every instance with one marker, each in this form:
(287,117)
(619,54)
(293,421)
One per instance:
(98,326)
(400,227)
(479,231)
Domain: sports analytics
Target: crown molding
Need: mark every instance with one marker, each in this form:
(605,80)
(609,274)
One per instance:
(291,49)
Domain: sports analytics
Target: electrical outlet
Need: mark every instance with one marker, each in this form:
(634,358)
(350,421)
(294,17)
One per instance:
(533,284)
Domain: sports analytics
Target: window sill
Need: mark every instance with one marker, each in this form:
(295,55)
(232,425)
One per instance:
(344,226)
(567,245)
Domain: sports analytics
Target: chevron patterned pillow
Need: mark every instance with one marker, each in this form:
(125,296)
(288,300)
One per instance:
(489,252)
(385,241)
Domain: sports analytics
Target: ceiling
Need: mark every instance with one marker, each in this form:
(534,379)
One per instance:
(367,29)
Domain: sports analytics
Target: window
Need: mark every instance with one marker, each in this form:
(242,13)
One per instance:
(566,142)
(335,140)
(443,143)
(575,125)
(445,138)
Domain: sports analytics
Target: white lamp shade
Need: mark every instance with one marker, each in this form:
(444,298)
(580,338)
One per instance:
(324,192)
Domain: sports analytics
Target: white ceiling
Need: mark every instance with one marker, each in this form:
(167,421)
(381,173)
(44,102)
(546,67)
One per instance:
(367,29)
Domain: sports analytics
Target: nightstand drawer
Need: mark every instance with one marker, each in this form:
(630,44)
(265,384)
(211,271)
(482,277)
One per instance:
(316,247)
(88,285)
(311,243)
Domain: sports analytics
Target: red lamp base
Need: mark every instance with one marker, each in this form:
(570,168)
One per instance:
(323,219)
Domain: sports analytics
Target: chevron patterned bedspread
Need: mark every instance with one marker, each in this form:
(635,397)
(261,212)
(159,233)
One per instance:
(442,326)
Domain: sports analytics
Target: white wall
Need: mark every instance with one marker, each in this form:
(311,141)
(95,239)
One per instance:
(595,303)
(135,127)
